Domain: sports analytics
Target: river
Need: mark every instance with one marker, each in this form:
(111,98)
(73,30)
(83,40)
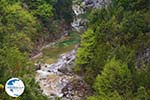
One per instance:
(58,79)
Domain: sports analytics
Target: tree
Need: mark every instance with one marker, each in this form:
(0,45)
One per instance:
(87,46)
(44,11)
(15,19)
(18,26)
(64,10)
(40,9)
(121,43)
(85,55)
(19,40)
(134,24)
(13,63)
(115,77)
(142,94)
(112,96)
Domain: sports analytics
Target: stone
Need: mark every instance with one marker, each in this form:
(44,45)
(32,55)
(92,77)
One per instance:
(38,66)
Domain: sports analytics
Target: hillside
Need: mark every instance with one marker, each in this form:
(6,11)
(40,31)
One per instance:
(114,53)
(76,49)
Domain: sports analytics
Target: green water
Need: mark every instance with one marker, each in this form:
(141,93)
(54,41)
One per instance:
(51,54)
(74,38)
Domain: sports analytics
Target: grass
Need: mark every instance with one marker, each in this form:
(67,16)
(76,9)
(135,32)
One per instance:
(51,54)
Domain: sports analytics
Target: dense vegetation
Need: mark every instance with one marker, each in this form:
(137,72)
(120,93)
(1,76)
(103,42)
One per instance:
(24,25)
(114,54)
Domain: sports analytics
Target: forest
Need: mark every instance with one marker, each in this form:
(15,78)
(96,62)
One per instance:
(113,54)
(24,26)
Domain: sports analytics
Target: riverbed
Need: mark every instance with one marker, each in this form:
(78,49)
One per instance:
(58,79)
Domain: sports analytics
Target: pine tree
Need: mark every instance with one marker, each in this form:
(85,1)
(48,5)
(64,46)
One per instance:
(85,55)
(115,77)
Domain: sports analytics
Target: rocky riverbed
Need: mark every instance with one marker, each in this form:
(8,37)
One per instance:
(58,80)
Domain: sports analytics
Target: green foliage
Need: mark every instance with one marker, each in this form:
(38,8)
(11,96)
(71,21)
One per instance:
(132,4)
(63,10)
(117,54)
(51,23)
(85,55)
(111,96)
(13,63)
(44,11)
(18,32)
(40,8)
(134,23)
(20,40)
(32,90)
(142,94)
(142,78)
(115,77)
(18,26)
(87,46)
(15,19)
(1,87)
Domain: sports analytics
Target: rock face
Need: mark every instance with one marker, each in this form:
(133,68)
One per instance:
(142,58)
(58,80)
(96,3)
(80,7)
(78,22)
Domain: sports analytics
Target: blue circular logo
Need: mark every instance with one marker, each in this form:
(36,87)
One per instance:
(14,87)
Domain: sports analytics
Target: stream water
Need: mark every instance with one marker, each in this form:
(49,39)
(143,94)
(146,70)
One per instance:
(58,79)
